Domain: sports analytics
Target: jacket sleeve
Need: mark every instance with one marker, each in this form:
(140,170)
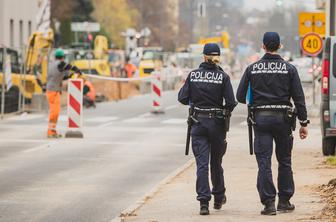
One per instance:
(184,93)
(242,88)
(64,67)
(230,101)
(297,95)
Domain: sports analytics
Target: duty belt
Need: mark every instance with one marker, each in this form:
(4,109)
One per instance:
(207,112)
(207,109)
(272,107)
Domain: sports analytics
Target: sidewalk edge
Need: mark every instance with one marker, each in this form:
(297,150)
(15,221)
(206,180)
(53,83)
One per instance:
(129,211)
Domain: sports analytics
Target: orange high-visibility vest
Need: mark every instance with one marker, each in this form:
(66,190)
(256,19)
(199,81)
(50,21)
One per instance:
(92,93)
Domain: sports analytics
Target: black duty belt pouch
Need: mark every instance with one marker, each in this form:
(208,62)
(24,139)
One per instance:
(223,118)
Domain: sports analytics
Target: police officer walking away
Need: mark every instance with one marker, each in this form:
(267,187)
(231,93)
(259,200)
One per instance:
(205,89)
(273,82)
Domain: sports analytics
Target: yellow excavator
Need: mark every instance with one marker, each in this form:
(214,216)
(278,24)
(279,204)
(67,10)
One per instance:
(223,40)
(24,80)
(95,63)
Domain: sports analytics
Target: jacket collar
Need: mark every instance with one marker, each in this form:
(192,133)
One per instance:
(272,56)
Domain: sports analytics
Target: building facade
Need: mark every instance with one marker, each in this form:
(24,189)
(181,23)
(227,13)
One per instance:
(17,21)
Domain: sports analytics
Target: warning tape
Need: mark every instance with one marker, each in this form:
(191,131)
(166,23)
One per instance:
(164,75)
(149,78)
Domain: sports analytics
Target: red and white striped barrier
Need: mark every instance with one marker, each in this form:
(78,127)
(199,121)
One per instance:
(75,108)
(156,86)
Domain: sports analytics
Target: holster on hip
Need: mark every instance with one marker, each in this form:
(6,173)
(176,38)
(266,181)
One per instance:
(223,118)
(290,117)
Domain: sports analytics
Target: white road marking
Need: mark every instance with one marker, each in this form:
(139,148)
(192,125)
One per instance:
(144,115)
(101,119)
(171,107)
(174,121)
(26,116)
(137,120)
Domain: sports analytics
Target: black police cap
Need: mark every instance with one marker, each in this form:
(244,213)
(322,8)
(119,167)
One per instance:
(211,49)
(271,38)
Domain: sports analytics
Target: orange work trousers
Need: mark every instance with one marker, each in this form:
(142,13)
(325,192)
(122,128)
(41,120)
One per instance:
(54,100)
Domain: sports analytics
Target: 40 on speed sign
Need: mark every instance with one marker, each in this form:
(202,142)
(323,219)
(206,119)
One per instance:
(311,44)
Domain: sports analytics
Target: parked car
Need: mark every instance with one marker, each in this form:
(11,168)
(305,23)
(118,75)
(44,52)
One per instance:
(328,100)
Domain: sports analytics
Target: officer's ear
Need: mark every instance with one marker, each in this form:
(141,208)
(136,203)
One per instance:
(280,46)
(264,47)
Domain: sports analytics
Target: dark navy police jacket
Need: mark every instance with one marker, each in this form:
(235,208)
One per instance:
(274,82)
(207,87)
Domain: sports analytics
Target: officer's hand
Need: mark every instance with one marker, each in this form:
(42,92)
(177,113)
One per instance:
(303,132)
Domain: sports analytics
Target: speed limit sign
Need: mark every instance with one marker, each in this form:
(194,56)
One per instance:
(311,44)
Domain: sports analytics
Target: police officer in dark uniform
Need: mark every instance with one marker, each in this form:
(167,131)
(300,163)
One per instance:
(273,82)
(205,89)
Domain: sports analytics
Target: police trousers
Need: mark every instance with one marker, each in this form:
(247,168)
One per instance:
(269,128)
(209,145)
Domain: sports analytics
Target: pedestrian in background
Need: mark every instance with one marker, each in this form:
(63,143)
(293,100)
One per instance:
(129,68)
(89,94)
(205,89)
(273,82)
(58,70)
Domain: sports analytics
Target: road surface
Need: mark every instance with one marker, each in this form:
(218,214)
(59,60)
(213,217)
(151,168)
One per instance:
(126,151)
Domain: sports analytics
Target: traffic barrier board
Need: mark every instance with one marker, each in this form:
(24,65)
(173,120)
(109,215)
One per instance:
(75,108)
(312,22)
(312,44)
(156,86)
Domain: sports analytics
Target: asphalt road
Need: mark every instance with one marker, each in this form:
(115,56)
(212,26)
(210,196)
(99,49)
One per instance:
(126,151)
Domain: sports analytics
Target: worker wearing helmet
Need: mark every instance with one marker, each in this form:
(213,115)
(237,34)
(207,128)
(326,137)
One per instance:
(58,70)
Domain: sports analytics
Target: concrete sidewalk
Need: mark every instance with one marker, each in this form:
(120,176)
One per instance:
(176,200)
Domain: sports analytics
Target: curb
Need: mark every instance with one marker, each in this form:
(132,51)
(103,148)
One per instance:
(130,211)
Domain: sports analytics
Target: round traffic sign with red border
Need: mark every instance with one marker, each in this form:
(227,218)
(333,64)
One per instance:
(312,44)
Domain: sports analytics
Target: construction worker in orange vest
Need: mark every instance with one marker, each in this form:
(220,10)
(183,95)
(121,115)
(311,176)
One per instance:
(89,94)
(58,70)
(129,68)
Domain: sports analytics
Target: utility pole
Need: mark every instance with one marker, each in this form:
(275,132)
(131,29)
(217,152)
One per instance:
(330,17)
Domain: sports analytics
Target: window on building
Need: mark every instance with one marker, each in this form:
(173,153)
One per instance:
(29,28)
(11,32)
(21,33)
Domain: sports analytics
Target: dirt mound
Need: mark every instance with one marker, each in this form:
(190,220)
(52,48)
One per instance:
(328,194)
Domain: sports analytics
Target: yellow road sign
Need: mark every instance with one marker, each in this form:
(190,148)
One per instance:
(312,44)
(312,22)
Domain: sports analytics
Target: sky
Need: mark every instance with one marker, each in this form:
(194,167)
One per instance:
(266,4)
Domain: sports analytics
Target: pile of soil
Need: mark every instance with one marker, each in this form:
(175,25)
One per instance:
(115,90)
(328,194)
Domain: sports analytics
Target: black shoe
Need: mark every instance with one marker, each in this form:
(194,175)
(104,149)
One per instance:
(284,206)
(269,209)
(204,208)
(218,203)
